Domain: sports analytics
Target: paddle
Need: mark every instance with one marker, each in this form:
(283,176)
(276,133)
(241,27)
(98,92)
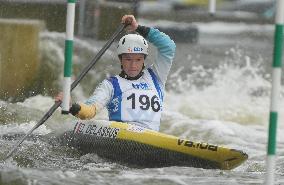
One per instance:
(73,85)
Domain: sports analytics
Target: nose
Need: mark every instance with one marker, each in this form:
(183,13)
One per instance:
(134,63)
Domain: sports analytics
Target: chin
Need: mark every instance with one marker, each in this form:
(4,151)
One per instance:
(132,74)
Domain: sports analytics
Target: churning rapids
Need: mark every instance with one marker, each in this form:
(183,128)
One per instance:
(218,92)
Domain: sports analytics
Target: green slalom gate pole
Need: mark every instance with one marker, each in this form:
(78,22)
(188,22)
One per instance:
(275,93)
(70,19)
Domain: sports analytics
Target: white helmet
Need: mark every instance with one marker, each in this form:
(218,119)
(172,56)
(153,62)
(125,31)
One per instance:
(132,43)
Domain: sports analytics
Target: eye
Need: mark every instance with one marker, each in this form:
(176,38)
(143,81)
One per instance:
(127,59)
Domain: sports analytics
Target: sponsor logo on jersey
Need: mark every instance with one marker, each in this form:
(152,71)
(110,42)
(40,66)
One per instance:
(115,102)
(142,85)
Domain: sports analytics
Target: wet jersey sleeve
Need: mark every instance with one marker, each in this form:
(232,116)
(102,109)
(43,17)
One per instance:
(166,51)
(101,95)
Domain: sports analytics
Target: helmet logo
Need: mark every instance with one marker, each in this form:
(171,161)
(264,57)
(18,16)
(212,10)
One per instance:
(129,50)
(138,49)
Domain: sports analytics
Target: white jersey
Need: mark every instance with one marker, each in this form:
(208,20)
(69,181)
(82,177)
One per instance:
(137,101)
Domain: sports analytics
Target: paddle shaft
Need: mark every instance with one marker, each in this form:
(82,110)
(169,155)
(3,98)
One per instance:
(73,85)
(98,56)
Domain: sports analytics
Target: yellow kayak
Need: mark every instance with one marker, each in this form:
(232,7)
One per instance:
(141,147)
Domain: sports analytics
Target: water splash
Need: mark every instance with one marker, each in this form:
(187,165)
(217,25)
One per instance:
(52,58)
(237,90)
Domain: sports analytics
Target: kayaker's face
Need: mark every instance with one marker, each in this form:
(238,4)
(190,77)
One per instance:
(132,64)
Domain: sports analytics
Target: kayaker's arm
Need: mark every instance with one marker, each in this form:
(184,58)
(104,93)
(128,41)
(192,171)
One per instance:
(95,103)
(166,50)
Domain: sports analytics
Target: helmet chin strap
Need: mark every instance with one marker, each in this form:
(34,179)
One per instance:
(124,75)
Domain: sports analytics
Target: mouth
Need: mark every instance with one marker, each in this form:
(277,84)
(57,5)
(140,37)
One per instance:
(132,73)
(133,70)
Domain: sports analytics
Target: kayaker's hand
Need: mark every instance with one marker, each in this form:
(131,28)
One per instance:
(75,109)
(58,97)
(131,21)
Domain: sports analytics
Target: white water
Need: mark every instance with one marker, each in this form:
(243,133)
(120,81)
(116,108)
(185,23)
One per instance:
(225,105)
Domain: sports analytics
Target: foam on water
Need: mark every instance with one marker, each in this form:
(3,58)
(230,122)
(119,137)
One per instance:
(23,128)
(42,103)
(52,58)
(59,38)
(237,90)
(225,105)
